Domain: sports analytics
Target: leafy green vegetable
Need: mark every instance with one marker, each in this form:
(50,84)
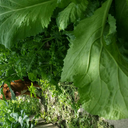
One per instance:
(20,19)
(71,13)
(96,67)
(96,62)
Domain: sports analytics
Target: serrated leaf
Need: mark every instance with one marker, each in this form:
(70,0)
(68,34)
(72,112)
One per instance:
(23,18)
(97,69)
(71,13)
(112,29)
(112,23)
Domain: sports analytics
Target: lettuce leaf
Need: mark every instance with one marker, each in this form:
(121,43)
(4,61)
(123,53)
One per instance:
(97,67)
(23,18)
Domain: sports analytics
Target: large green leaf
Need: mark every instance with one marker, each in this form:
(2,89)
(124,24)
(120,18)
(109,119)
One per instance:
(71,13)
(23,18)
(97,68)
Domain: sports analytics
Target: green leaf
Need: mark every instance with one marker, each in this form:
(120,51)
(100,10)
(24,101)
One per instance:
(15,116)
(31,62)
(122,17)
(1,92)
(63,3)
(13,97)
(71,13)
(32,90)
(23,18)
(112,23)
(97,69)
(111,30)
(77,1)
(32,76)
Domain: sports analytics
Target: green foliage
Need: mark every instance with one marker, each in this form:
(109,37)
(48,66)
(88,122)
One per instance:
(2,106)
(21,120)
(35,57)
(20,19)
(121,8)
(62,108)
(97,68)
(32,90)
(23,103)
(71,14)
(16,113)
(96,62)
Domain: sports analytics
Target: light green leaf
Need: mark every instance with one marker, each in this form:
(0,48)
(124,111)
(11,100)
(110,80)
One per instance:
(112,29)
(112,23)
(23,18)
(71,13)
(97,69)
(15,116)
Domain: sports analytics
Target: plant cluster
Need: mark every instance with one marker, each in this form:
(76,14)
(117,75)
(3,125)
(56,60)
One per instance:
(37,56)
(15,114)
(30,105)
(63,108)
(34,35)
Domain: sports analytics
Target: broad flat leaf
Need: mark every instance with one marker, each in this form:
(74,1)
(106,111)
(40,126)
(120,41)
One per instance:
(71,14)
(97,69)
(23,18)
(122,17)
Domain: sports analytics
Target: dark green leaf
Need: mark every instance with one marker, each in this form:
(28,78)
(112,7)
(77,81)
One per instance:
(23,18)
(122,17)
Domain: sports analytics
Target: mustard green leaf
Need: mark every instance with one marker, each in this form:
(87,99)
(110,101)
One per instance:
(97,69)
(71,13)
(23,18)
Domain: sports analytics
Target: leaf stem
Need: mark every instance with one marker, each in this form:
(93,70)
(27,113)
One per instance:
(109,2)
